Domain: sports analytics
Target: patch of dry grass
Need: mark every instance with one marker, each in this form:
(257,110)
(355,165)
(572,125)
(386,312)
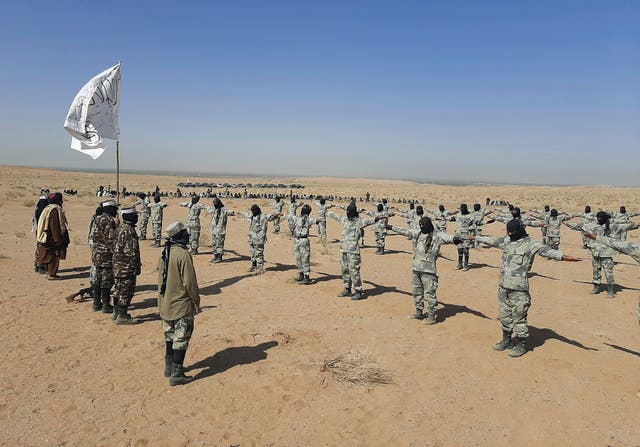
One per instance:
(21,234)
(357,367)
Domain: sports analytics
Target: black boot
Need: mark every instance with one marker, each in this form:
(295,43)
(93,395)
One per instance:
(168,358)
(358,295)
(611,291)
(459,267)
(300,277)
(253,267)
(305,280)
(519,348)
(466,262)
(345,292)
(124,318)
(105,296)
(417,315)
(596,289)
(505,343)
(97,302)
(217,258)
(177,370)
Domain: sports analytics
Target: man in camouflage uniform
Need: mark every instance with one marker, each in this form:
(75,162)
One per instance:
(193,223)
(543,215)
(464,223)
(587,218)
(477,225)
(411,217)
(178,301)
(157,210)
(291,213)
(126,266)
(628,248)
(143,202)
(514,299)
(95,287)
(602,255)
(441,217)
(321,219)
(302,247)
(553,221)
(258,236)
(278,206)
(352,225)
(427,243)
(219,214)
(622,218)
(379,229)
(104,235)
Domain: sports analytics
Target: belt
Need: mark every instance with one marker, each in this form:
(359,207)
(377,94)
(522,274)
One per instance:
(302,237)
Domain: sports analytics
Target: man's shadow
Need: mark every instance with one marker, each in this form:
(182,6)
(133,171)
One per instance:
(230,357)
(74,269)
(623,349)
(238,256)
(450,310)
(538,337)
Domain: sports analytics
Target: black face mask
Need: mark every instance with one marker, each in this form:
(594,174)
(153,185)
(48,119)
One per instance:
(110,210)
(515,212)
(195,199)
(156,199)
(131,218)
(411,206)
(587,209)
(217,204)
(426,226)
(546,208)
(380,207)
(322,201)
(255,210)
(352,211)
(554,213)
(419,210)
(516,230)
(441,208)
(603,218)
(623,210)
(476,207)
(305,211)
(463,209)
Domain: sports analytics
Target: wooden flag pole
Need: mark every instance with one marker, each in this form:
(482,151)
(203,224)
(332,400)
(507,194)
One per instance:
(118,170)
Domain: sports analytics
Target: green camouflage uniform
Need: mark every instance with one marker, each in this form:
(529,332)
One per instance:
(157,210)
(302,247)
(193,223)
(277,209)
(350,248)
(258,236)
(104,235)
(126,264)
(513,293)
(628,248)
(218,227)
(425,274)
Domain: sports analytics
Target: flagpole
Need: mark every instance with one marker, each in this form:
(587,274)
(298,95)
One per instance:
(118,170)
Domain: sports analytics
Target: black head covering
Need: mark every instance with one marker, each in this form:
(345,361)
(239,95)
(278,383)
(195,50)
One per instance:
(553,212)
(217,203)
(55,198)
(380,207)
(623,209)
(293,199)
(352,210)
(419,210)
(277,198)
(587,209)
(476,207)
(156,198)
(515,212)
(305,210)
(464,209)
(322,201)
(426,226)
(510,207)
(132,218)
(516,230)
(255,210)
(441,208)
(411,205)
(546,208)
(384,200)
(99,210)
(603,218)
(110,210)
(195,199)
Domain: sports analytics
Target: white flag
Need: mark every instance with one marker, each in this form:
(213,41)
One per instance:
(94,113)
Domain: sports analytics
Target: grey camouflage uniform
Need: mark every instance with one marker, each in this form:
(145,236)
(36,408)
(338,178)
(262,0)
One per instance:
(293,206)
(350,248)
(321,218)
(513,292)
(157,211)
(258,236)
(379,228)
(586,218)
(622,219)
(301,246)
(144,216)
(218,227)
(193,223)
(277,209)
(553,229)
(425,274)
(440,219)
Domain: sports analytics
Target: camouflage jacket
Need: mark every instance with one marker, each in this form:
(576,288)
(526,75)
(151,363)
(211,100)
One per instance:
(628,248)
(144,205)
(478,218)
(104,234)
(554,223)
(157,210)
(351,231)
(379,227)
(622,218)
(321,214)
(426,248)
(194,211)
(219,218)
(258,227)
(441,218)
(517,256)
(598,249)
(586,217)
(293,206)
(301,225)
(126,251)
(278,207)
(505,218)
(464,223)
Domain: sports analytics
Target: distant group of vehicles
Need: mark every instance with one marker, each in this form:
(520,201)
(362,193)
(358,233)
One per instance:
(238,185)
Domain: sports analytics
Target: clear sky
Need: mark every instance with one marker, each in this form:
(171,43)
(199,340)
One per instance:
(499,91)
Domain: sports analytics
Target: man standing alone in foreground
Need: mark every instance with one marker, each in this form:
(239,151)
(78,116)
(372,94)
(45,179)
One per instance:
(178,301)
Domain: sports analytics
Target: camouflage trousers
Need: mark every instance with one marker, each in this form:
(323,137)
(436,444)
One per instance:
(598,263)
(179,332)
(322,230)
(217,243)
(476,232)
(292,226)
(513,307)
(276,225)
(545,239)
(257,254)
(142,225)
(425,286)
(302,251)
(123,290)
(194,235)
(156,229)
(350,265)
(552,242)
(104,269)
(380,237)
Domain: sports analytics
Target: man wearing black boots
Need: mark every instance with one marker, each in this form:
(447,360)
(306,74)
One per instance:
(104,236)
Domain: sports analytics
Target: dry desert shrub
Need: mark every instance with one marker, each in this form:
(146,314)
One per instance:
(21,234)
(357,367)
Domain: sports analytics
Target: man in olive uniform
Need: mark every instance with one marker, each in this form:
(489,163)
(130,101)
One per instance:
(514,299)
(126,266)
(104,236)
(178,301)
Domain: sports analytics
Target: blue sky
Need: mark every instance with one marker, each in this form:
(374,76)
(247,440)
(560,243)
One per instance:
(539,91)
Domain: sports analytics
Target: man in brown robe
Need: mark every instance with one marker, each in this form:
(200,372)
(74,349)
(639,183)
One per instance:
(52,236)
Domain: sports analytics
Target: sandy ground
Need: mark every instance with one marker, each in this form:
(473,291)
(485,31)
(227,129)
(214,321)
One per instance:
(70,377)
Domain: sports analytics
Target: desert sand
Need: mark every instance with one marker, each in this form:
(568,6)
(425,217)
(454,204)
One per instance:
(70,377)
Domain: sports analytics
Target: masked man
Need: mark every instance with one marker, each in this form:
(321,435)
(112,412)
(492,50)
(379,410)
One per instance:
(219,214)
(126,266)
